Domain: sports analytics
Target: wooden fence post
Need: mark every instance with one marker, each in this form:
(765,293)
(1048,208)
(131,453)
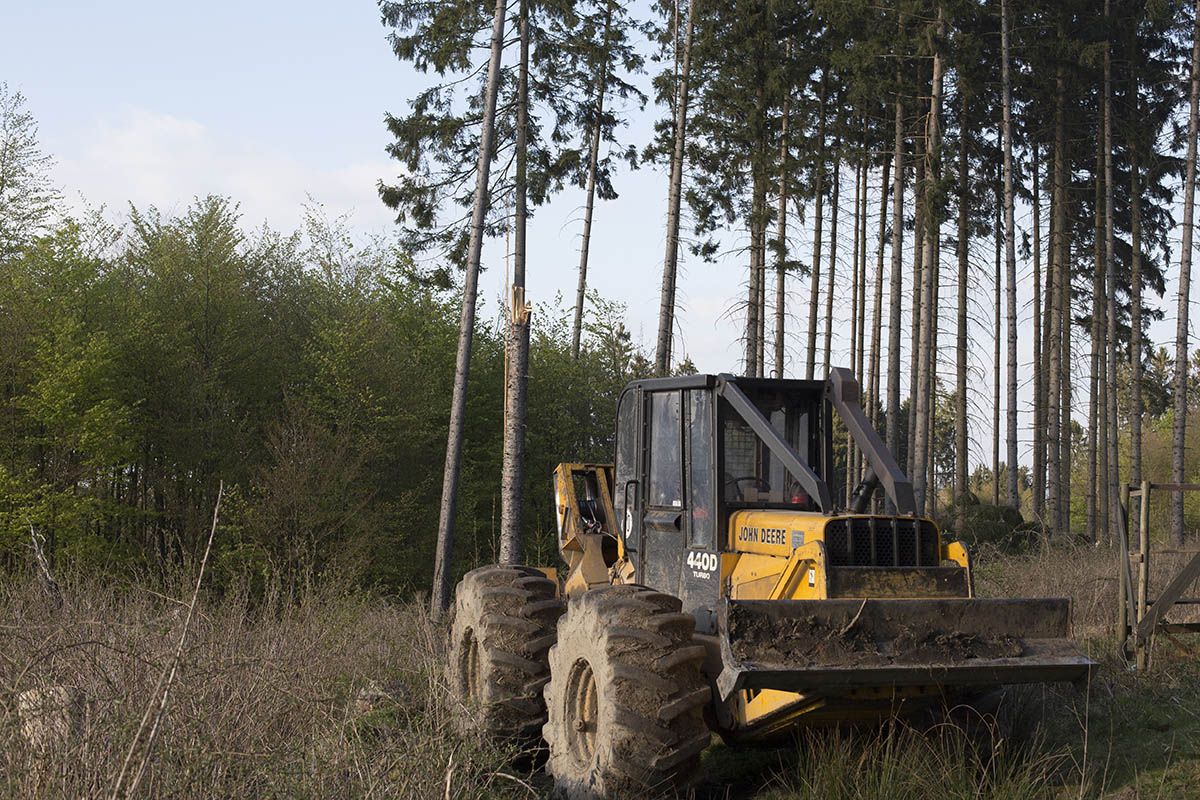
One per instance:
(1143,593)
(1122,587)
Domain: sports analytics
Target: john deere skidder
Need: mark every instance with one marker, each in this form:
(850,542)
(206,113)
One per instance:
(714,585)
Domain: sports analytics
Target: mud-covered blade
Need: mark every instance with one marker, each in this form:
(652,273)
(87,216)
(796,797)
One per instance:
(799,645)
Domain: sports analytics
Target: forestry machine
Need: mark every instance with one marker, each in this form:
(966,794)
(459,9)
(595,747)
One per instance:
(714,585)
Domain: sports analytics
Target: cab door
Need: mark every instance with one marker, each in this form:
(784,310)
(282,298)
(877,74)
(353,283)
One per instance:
(700,573)
(664,515)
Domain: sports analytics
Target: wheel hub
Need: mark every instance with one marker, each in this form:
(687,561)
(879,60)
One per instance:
(581,712)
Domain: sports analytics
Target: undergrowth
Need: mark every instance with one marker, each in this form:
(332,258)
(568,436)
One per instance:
(334,694)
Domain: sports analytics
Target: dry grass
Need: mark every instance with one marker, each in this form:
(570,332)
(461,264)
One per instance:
(273,698)
(336,695)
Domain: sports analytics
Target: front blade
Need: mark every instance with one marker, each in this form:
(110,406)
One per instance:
(806,645)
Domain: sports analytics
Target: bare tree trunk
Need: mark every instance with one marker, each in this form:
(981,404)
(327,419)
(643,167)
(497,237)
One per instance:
(925,355)
(1010,258)
(1096,403)
(781,255)
(854,285)
(831,274)
(666,308)
(440,598)
(996,237)
(873,376)
(859,192)
(860,360)
(1179,431)
(960,365)
(752,295)
(932,387)
(1059,314)
(819,197)
(1067,356)
(1039,377)
(1135,317)
(512,474)
(860,349)
(896,291)
(1110,278)
(918,299)
(590,202)
(760,337)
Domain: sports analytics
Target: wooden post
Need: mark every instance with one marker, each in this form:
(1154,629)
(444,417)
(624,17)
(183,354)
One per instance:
(1123,627)
(1143,592)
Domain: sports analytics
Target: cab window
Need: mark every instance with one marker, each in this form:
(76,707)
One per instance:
(700,470)
(666,467)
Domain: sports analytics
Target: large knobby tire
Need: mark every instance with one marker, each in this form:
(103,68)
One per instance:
(626,698)
(504,625)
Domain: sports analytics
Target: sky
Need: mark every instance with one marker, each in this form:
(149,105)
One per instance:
(275,104)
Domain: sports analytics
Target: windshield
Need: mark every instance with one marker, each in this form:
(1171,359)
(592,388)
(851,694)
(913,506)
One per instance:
(751,472)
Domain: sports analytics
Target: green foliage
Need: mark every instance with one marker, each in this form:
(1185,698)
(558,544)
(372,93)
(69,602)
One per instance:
(309,374)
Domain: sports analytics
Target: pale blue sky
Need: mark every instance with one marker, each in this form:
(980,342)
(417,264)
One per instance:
(269,102)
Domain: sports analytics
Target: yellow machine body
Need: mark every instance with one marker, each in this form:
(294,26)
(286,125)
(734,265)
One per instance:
(810,613)
(781,555)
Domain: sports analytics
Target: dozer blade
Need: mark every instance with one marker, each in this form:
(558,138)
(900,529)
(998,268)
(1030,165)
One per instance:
(826,645)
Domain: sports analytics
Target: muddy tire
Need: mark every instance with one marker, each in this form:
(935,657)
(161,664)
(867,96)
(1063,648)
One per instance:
(626,698)
(504,625)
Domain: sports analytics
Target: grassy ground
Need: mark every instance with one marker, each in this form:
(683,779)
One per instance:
(340,695)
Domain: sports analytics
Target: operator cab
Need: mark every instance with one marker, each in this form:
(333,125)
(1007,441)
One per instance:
(692,450)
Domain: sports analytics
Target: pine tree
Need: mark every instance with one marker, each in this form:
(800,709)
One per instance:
(679,93)
(512,475)
(1179,429)
(420,197)
(1010,260)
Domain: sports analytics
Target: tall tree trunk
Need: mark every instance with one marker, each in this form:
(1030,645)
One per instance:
(1039,377)
(831,273)
(512,475)
(1059,270)
(1135,317)
(962,251)
(666,308)
(1110,278)
(752,293)
(860,349)
(873,374)
(1066,362)
(896,291)
(859,192)
(1096,381)
(760,337)
(932,387)
(925,351)
(819,198)
(860,361)
(440,598)
(918,297)
(781,254)
(1179,431)
(590,202)
(1010,259)
(996,241)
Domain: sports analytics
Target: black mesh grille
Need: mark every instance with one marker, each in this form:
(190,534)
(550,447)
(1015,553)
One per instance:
(881,542)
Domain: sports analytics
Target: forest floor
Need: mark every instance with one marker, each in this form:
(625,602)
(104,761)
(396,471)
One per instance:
(332,694)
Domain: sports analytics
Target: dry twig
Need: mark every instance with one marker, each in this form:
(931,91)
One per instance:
(162,690)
